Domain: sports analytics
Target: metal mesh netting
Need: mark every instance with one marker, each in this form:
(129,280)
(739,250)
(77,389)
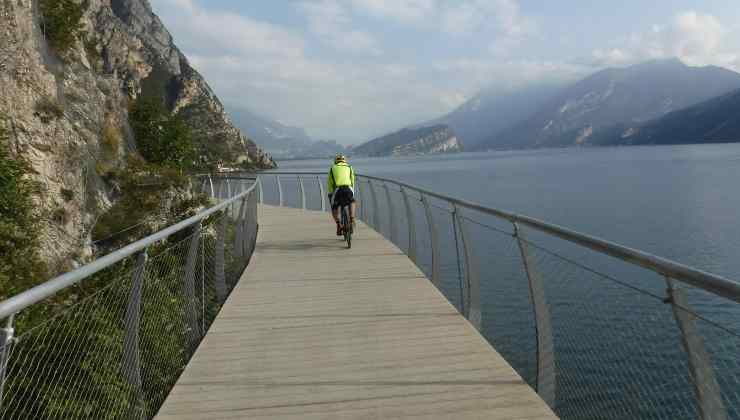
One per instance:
(598,338)
(115,345)
(620,347)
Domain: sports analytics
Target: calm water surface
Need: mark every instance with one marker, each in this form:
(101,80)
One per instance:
(681,202)
(617,351)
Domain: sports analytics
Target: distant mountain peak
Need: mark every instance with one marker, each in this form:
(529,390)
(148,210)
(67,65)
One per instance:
(629,95)
(412,141)
(494,109)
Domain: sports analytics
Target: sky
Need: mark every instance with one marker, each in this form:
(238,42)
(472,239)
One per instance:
(352,70)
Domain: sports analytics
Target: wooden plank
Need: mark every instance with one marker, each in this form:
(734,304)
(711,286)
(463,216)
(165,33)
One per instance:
(316,331)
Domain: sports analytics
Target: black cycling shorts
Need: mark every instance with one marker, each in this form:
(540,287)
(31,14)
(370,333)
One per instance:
(343,196)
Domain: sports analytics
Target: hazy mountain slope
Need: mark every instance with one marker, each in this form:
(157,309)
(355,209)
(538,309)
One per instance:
(494,110)
(271,135)
(713,121)
(426,140)
(629,96)
(282,141)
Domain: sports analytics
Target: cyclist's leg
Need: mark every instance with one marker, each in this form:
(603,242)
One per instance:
(335,212)
(334,207)
(352,207)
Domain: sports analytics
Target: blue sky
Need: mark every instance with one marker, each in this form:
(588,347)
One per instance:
(350,70)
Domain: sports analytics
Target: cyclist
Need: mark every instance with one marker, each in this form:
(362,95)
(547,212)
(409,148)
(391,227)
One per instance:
(341,183)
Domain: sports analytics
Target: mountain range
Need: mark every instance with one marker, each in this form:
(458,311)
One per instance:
(630,95)
(411,141)
(493,110)
(714,121)
(656,102)
(282,141)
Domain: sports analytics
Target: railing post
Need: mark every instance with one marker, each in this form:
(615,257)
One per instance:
(472,307)
(411,225)
(434,239)
(240,231)
(706,389)
(189,286)
(375,220)
(358,199)
(131,356)
(462,281)
(321,191)
(280,190)
(303,192)
(250,216)
(545,349)
(394,233)
(367,206)
(203,284)
(6,341)
(220,263)
(219,190)
(253,228)
(259,187)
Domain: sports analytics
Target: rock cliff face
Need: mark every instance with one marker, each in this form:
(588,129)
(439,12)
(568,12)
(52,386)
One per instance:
(67,114)
(421,141)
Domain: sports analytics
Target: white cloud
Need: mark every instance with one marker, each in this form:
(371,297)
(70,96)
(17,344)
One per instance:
(463,19)
(331,22)
(405,11)
(504,74)
(613,56)
(227,33)
(502,18)
(697,39)
(266,67)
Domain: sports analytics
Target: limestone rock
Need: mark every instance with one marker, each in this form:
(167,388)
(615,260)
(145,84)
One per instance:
(59,109)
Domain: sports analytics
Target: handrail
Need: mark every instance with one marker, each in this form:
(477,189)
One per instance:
(710,282)
(45,290)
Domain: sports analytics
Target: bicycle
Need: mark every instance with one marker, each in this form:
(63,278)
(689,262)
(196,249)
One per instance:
(346,225)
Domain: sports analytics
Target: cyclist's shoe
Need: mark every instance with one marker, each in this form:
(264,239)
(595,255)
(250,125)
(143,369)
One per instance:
(339,230)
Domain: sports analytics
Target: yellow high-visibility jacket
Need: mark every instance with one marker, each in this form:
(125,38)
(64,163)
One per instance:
(340,175)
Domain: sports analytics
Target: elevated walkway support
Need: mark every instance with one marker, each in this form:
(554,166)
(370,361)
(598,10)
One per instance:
(314,331)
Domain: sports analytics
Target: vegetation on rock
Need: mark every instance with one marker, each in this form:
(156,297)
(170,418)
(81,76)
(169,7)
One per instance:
(67,194)
(62,22)
(162,138)
(151,197)
(49,109)
(20,264)
(110,148)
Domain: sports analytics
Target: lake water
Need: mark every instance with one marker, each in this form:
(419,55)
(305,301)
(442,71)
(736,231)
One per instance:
(616,343)
(681,203)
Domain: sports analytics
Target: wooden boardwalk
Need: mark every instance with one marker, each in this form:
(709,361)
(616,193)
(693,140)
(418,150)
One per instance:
(316,331)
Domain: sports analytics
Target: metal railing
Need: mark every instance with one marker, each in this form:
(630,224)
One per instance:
(109,339)
(599,330)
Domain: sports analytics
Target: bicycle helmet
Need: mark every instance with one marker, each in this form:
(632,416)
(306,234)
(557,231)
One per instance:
(340,158)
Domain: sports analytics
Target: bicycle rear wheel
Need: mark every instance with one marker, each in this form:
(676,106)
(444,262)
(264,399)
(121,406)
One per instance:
(346,227)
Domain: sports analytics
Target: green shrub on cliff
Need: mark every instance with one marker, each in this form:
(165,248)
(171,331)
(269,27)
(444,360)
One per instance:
(48,109)
(150,194)
(20,264)
(61,22)
(163,139)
